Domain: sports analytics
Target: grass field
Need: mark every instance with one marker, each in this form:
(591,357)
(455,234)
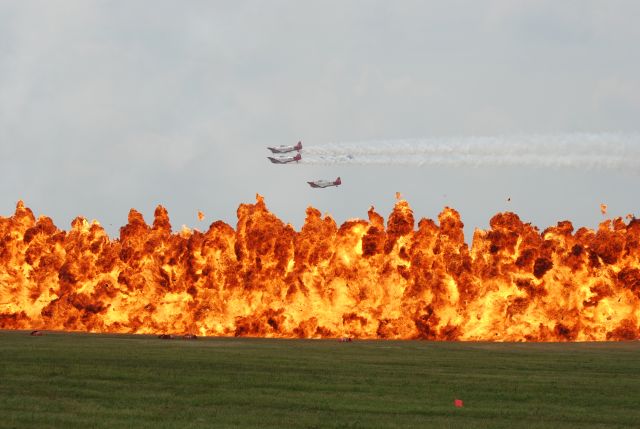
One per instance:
(84,381)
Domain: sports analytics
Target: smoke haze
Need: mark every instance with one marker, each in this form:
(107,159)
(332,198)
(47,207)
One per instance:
(584,151)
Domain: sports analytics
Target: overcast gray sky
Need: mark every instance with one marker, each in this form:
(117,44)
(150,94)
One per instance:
(109,105)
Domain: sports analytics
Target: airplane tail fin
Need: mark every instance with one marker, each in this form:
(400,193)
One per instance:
(338,181)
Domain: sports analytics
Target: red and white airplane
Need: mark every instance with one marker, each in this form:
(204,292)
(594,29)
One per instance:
(285,149)
(285,159)
(325,183)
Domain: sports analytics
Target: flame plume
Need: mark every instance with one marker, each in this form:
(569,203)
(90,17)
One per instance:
(361,279)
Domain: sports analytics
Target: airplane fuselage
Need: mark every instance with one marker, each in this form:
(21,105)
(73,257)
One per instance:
(323,183)
(284,159)
(285,149)
(281,149)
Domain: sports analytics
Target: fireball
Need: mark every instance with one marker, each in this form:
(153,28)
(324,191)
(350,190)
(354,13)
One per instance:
(362,279)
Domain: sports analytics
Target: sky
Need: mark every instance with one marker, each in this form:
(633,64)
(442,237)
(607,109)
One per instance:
(112,105)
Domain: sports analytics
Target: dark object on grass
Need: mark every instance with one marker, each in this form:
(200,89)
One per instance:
(345,340)
(165,337)
(189,337)
(36,333)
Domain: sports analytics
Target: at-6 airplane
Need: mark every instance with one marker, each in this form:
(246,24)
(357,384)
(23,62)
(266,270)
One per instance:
(284,159)
(285,149)
(325,183)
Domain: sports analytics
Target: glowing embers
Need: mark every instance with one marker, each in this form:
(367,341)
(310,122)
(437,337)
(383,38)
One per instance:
(363,279)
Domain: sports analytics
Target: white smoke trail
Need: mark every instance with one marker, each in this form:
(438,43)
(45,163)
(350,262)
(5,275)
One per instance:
(588,151)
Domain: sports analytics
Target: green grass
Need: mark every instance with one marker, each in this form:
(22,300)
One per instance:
(85,381)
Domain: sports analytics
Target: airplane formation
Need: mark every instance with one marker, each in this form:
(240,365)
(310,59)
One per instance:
(286,159)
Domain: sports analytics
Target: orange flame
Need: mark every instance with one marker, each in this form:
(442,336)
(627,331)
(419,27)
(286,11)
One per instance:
(361,279)
(200,215)
(603,209)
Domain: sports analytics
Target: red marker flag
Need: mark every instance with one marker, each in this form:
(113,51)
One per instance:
(457,403)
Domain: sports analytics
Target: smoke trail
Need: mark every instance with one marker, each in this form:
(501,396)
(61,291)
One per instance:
(589,151)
